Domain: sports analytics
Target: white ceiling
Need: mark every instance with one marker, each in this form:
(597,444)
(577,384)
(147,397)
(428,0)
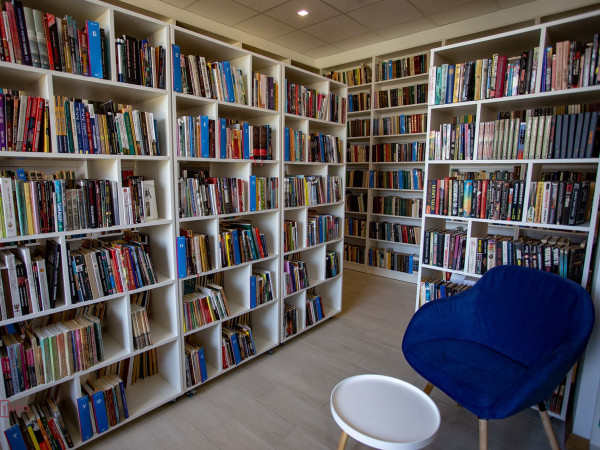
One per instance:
(334,26)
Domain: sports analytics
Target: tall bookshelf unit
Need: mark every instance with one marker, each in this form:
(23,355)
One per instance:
(391,95)
(264,318)
(512,43)
(163,313)
(312,253)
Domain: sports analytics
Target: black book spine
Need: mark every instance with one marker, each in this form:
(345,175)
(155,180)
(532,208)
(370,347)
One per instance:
(22,31)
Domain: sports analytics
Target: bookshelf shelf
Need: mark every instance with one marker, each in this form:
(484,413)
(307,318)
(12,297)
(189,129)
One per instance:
(406,80)
(401,108)
(575,242)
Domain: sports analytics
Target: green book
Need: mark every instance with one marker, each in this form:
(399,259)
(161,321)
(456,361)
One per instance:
(127,121)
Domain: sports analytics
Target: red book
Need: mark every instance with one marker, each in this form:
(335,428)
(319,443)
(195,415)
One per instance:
(14,33)
(5,50)
(49,19)
(39,117)
(500,75)
(88,126)
(27,129)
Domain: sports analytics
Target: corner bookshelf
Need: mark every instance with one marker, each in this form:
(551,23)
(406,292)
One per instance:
(390,161)
(529,226)
(312,228)
(116,324)
(226,154)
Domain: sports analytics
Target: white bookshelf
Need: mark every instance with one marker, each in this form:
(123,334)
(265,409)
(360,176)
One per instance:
(581,27)
(116,326)
(329,289)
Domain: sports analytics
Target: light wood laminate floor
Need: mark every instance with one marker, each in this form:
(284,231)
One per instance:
(282,400)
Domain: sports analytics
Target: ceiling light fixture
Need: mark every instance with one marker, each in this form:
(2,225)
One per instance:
(302,12)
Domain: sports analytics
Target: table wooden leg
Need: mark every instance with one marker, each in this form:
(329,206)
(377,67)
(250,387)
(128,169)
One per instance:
(428,388)
(483,434)
(343,440)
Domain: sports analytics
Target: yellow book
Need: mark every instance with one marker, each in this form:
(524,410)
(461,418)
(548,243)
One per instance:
(478,69)
(457,76)
(539,199)
(29,207)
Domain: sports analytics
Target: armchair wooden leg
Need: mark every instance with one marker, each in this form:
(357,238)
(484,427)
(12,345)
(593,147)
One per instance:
(343,440)
(483,434)
(548,427)
(428,388)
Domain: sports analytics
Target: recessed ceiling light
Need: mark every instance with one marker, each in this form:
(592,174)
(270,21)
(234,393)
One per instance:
(302,12)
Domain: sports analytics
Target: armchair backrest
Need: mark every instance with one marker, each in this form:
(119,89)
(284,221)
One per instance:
(527,313)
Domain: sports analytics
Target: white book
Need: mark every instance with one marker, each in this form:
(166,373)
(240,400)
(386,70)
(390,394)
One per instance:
(128,214)
(205,78)
(31,36)
(9,37)
(149,200)
(8,207)
(546,202)
(540,137)
(39,266)
(472,254)
(34,295)
(9,264)
(20,137)
(532,142)
(38,21)
(430,86)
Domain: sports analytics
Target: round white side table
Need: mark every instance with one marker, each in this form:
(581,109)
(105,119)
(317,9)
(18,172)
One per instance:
(384,412)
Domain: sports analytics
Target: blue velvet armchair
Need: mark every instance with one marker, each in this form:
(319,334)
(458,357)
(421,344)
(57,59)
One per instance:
(504,345)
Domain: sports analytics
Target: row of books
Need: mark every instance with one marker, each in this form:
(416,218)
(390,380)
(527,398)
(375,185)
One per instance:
(321,228)
(237,344)
(356,202)
(445,248)
(354,253)
(294,145)
(33,205)
(357,153)
(193,253)
(108,266)
(240,242)
(352,77)
(24,122)
(138,62)
(290,235)
(385,258)
(201,195)
(145,365)
(28,361)
(453,141)
(402,96)
(261,287)
(140,325)
(106,405)
(139,199)
(357,178)
(355,227)
(560,202)
(265,92)
(208,304)
(358,127)
(398,152)
(220,80)
(550,253)
(290,320)
(44,40)
(310,190)
(325,148)
(332,264)
(541,134)
(29,279)
(314,309)
(360,101)
(395,232)
(107,128)
(402,124)
(402,67)
(40,425)
(295,275)
(498,76)
(482,199)
(304,101)
(197,138)
(195,364)
(570,64)
(396,179)
(397,206)
(431,288)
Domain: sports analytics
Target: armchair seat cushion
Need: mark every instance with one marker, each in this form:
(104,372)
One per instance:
(474,375)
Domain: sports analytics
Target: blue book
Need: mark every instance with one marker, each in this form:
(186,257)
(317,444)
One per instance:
(577,142)
(235,347)
(236,246)
(252,193)
(350,107)
(84,128)
(78,127)
(100,411)
(229,81)
(410,263)
(177,69)
(322,147)
(450,83)
(181,257)
(286,144)
(202,363)
(59,205)
(371,178)
(204,147)
(402,124)
(94,48)
(319,307)
(252,291)
(85,420)
(223,138)
(2,122)
(591,136)
(15,438)
(390,69)
(246,139)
